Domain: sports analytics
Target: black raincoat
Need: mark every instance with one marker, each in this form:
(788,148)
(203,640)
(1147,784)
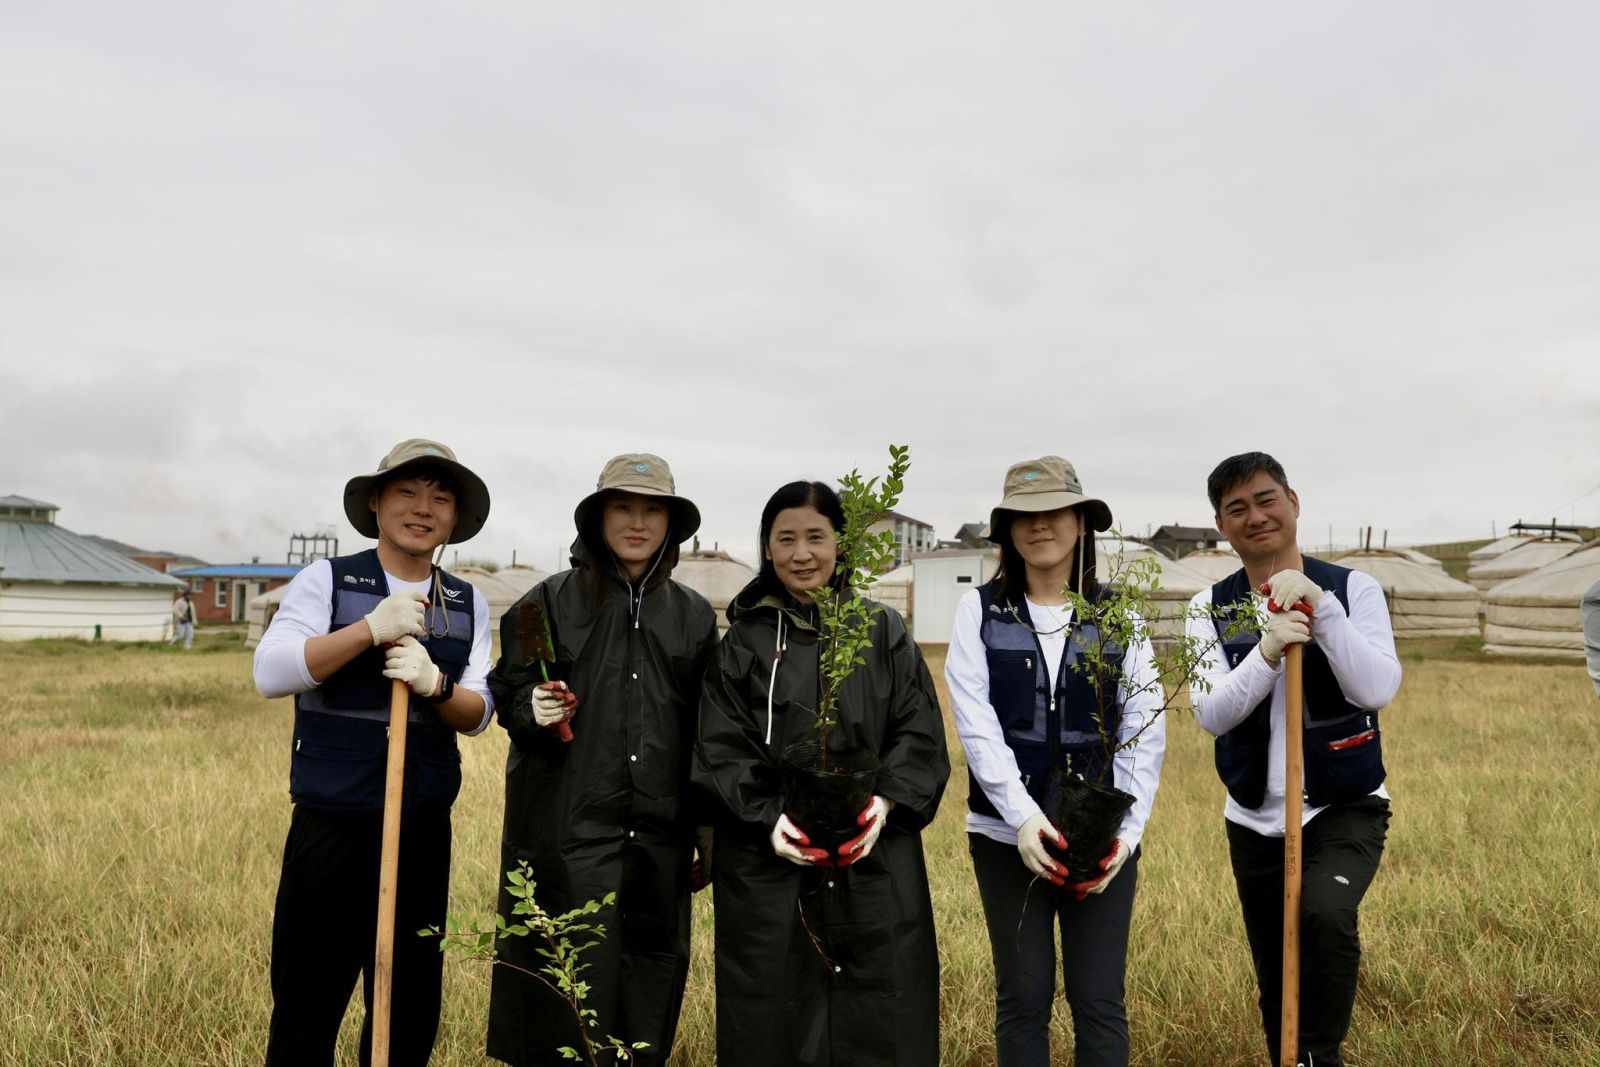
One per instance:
(609,812)
(819,966)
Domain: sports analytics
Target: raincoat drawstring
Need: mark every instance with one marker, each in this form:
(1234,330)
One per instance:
(779,646)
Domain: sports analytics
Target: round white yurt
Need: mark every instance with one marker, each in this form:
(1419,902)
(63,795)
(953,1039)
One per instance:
(1537,613)
(259,612)
(1213,563)
(1498,548)
(1420,557)
(499,593)
(519,577)
(893,588)
(1176,585)
(1423,602)
(716,576)
(1524,559)
(1112,554)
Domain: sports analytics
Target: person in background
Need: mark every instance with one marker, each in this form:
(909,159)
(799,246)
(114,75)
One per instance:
(183,620)
(346,630)
(1350,673)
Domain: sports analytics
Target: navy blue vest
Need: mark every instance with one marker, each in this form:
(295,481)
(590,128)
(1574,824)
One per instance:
(1045,729)
(341,728)
(1343,746)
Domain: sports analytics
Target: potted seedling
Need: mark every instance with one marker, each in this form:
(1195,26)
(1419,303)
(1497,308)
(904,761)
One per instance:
(825,790)
(1117,616)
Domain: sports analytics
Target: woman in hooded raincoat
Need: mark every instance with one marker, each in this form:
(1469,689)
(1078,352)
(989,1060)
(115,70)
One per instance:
(608,810)
(822,958)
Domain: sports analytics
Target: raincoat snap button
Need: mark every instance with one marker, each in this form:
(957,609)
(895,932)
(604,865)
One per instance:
(634,759)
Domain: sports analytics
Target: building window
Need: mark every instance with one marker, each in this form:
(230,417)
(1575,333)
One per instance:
(197,585)
(222,593)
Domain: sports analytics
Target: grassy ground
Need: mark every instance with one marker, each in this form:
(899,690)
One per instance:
(143,807)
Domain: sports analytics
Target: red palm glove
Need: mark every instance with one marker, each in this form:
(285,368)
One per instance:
(871,817)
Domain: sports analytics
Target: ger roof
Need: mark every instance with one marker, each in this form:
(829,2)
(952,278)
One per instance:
(45,552)
(24,502)
(240,570)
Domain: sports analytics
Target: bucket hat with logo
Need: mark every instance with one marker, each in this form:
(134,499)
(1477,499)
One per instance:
(472,496)
(1044,484)
(646,475)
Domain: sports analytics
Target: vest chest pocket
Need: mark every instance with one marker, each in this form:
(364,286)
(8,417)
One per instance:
(1014,687)
(1344,759)
(338,766)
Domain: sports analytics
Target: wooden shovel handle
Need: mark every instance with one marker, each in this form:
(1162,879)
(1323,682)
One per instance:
(388,873)
(1293,779)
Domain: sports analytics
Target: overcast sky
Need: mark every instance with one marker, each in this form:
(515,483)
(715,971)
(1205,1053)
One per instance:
(244,248)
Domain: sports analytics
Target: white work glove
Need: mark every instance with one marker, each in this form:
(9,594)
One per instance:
(1111,863)
(1286,589)
(871,818)
(1030,843)
(789,842)
(397,615)
(407,661)
(553,703)
(1284,628)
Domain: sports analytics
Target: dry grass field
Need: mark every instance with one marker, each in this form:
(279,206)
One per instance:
(143,805)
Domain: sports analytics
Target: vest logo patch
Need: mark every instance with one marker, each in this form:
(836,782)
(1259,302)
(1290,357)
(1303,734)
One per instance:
(452,594)
(351,579)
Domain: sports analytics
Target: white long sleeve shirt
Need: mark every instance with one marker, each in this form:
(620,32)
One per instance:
(280,661)
(1360,649)
(1135,770)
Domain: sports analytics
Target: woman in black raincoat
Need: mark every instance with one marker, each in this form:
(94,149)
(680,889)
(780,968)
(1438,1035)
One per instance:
(608,810)
(822,958)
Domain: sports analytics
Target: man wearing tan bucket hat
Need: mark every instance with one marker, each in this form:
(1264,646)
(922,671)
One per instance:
(346,628)
(1027,716)
(606,808)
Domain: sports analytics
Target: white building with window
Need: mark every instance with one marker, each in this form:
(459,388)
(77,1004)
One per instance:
(55,583)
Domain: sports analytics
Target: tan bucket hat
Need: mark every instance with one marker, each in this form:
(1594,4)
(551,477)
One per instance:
(472,499)
(1045,484)
(646,475)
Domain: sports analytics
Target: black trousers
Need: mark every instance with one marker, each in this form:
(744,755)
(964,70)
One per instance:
(324,933)
(1341,848)
(1022,915)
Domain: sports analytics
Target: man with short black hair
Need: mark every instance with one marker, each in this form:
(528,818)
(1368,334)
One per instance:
(1350,672)
(345,629)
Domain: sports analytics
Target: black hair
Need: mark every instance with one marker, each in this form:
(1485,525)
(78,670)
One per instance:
(423,470)
(816,495)
(602,561)
(1236,470)
(1011,580)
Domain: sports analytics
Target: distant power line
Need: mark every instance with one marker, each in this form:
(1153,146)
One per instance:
(1571,502)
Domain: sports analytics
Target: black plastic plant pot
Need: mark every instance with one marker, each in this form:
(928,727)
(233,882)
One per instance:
(824,799)
(1088,815)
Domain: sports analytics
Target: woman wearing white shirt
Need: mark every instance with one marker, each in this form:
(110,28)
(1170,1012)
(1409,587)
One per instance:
(1021,710)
